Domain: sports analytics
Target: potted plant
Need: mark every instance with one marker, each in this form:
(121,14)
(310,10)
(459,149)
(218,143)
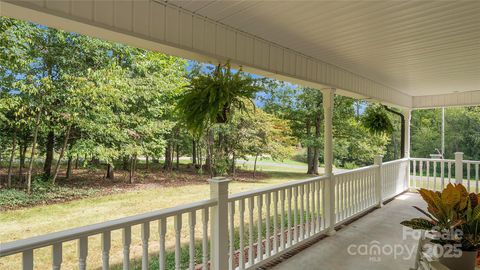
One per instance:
(453,219)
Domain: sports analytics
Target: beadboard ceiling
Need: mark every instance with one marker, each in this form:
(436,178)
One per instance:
(417,47)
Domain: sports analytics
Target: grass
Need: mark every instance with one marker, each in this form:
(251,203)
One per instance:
(28,222)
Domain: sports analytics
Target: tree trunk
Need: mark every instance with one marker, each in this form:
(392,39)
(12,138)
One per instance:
(32,155)
(255,166)
(23,153)
(76,162)
(69,167)
(47,168)
(233,164)
(147,163)
(194,153)
(132,169)
(110,173)
(177,150)
(310,154)
(125,164)
(10,163)
(210,159)
(316,149)
(62,152)
(167,166)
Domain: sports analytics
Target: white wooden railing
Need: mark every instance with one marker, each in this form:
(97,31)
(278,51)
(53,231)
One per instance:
(435,173)
(239,231)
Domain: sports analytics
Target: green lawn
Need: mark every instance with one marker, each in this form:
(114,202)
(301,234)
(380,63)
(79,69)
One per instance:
(23,223)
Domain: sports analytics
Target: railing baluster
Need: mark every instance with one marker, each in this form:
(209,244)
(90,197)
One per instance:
(241,209)
(313,216)
(341,198)
(414,174)
(449,172)
(82,253)
(320,212)
(259,228)
(476,178)
(250,231)
(162,230)
(231,228)
(307,210)
(428,174)
(275,221)
(442,173)
(289,217)
(324,204)
(434,175)
(106,243)
(192,222)
(205,256)
(267,225)
(127,240)
(336,206)
(468,177)
(177,223)
(302,212)
(295,214)
(57,256)
(422,184)
(145,236)
(27,260)
(282,219)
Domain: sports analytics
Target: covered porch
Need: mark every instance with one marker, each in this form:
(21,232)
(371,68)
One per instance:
(433,62)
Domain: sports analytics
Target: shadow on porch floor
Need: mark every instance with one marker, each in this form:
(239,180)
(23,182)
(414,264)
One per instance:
(350,247)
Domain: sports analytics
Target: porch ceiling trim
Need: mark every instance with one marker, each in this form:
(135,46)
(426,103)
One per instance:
(167,28)
(471,98)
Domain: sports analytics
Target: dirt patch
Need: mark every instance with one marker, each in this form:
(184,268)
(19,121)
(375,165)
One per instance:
(92,182)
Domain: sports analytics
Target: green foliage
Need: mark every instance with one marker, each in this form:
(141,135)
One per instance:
(376,120)
(43,192)
(211,98)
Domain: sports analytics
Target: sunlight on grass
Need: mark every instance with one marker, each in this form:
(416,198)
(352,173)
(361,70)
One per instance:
(28,222)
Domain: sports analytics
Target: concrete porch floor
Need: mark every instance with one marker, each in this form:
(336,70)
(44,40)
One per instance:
(349,247)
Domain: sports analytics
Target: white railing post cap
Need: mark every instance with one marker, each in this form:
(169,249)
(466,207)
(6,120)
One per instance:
(218,179)
(458,153)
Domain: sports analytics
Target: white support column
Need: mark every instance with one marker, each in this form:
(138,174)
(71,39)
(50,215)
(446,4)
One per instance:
(458,167)
(379,181)
(219,224)
(328,104)
(408,116)
(407,113)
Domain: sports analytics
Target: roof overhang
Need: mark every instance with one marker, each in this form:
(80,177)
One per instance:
(318,44)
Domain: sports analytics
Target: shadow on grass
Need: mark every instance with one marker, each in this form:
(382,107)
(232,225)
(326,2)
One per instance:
(136,263)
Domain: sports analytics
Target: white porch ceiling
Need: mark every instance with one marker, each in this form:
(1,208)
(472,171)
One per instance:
(409,54)
(418,47)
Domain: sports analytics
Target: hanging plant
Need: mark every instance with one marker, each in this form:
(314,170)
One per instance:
(211,97)
(376,120)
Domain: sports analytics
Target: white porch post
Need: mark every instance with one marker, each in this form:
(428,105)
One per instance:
(459,167)
(328,103)
(407,113)
(219,224)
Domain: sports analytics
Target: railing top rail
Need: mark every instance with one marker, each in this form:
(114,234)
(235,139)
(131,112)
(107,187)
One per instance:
(395,161)
(251,193)
(433,159)
(472,161)
(362,169)
(75,233)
